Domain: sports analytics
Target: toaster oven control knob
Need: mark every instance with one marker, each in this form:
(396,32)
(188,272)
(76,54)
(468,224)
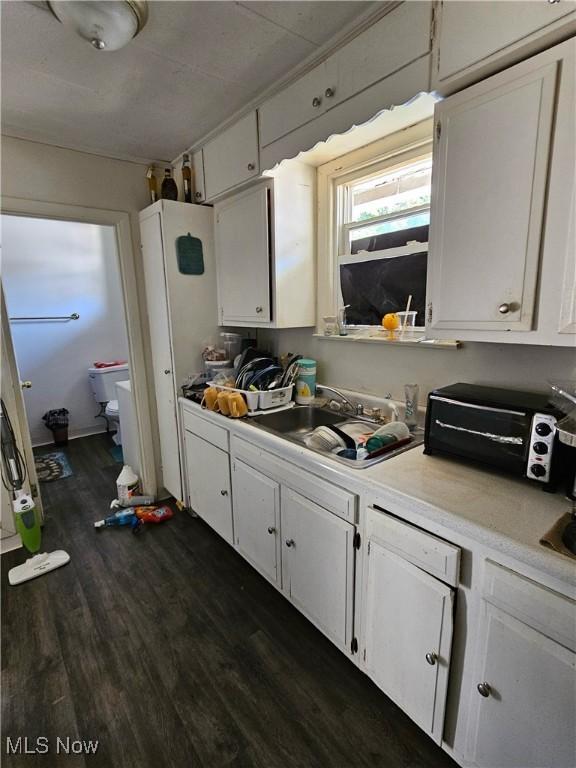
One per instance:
(540,448)
(543,429)
(538,470)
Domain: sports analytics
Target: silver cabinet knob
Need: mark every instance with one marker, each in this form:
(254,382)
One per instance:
(271,529)
(289,542)
(166,371)
(511,306)
(198,195)
(553,2)
(329,92)
(259,310)
(431,658)
(484,689)
(251,166)
(26,384)
(223,493)
(316,101)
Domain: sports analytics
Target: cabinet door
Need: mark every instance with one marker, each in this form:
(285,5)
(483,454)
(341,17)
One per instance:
(161,344)
(318,565)
(491,156)
(293,106)
(208,480)
(232,157)
(408,636)
(257,519)
(198,161)
(400,37)
(528,718)
(474,36)
(243,257)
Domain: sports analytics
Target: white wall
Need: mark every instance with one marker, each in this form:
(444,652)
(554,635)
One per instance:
(55,268)
(379,369)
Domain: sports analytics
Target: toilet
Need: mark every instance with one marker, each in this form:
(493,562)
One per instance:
(103,383)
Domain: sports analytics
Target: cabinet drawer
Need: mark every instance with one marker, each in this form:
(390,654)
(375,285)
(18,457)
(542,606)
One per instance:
(537,606)
(338,501)
(214,434)
(434,555)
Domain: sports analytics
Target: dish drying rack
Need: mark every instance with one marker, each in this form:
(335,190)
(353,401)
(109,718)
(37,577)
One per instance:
(262,401)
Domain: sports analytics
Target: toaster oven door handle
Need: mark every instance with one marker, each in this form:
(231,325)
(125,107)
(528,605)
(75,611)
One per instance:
(504,439)
(476,407)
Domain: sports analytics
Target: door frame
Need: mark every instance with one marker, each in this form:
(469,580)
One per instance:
(120,220)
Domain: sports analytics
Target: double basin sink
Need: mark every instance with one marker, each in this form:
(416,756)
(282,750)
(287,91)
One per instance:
(297,424)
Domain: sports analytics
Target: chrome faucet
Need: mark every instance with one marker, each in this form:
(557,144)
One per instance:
(356,408)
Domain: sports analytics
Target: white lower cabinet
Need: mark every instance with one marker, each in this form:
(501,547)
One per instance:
(523,705)
(208,483)
(257,519)
(318,565)
(407,631)
(303,548)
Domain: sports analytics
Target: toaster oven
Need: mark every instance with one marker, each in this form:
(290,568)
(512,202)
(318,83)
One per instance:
(514,431)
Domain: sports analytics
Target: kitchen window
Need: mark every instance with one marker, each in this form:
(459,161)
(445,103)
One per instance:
(374,216)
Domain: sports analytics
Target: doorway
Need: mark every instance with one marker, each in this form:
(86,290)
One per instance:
(124,233)
(63,291)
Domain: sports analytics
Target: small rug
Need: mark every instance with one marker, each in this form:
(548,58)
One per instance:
(52,466)
(116,453)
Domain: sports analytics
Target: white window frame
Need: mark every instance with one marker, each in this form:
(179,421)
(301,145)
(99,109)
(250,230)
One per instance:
(402,147)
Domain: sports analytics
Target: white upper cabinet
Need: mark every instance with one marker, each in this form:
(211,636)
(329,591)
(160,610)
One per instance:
(385,65)
(243,254)
(393,42)
(498,157)
(293,106)
(475,39)
(231,158)
(198,161)
(264,239)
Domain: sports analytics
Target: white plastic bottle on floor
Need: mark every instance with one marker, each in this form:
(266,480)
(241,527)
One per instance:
(127,484)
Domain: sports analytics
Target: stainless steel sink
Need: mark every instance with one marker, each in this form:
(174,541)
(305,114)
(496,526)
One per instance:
(299,420)
(295,424)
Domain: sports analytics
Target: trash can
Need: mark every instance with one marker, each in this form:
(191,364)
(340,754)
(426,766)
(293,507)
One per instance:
(57,422)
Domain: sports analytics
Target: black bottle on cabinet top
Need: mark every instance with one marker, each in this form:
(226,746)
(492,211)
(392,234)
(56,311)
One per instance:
(169,190)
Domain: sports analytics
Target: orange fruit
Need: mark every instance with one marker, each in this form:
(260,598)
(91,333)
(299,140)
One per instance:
(391,321)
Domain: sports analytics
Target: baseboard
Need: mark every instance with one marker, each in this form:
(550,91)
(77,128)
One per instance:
(77,433)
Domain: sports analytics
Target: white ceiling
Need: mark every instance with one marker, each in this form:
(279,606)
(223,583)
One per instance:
(193,66)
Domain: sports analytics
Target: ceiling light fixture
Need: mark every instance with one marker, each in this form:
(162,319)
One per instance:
(106,24)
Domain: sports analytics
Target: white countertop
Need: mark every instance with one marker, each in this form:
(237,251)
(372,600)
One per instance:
(501,512)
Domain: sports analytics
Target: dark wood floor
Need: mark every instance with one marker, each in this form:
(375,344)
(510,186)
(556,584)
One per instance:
(172,652)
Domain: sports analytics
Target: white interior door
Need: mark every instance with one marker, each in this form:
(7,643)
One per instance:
(208,476)
(408,636)
(257,518)
(529,717)
(318,565)
(157,305)
(14,402)
(491,156)
(243,257)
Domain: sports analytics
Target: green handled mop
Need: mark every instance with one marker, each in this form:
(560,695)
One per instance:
(25,513)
